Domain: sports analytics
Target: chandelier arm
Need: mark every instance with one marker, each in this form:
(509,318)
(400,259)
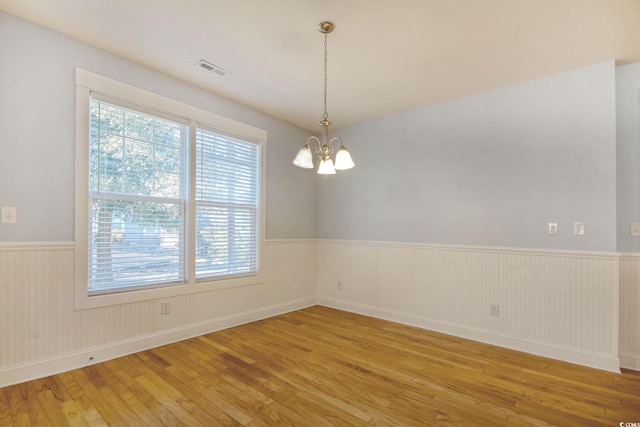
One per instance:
(313,138)
(335,138)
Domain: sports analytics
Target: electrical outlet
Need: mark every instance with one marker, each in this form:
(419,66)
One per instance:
(339,286)
(553,228)
(494,310)
(165,308)
(635,229)
(579,229)
(8,215)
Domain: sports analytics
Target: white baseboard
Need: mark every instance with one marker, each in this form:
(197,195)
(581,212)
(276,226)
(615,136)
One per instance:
(42,368)
(592,360)
(630,361)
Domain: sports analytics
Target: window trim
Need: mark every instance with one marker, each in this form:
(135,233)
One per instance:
(88,82)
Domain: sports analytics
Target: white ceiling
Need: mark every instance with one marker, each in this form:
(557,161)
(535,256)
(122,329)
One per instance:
(385,56)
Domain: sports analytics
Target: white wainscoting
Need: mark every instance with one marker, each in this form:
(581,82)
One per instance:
(563,305)
(41,334)
(558,304)
(630,311)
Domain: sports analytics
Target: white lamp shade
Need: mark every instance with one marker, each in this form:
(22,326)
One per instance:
(304,158)
(326,167)
(343,159)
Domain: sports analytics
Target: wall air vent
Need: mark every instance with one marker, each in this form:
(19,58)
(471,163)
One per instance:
(213,68)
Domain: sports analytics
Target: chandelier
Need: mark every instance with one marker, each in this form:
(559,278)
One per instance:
(325,149)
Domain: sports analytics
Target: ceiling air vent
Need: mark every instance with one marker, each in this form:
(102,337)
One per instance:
(213,68)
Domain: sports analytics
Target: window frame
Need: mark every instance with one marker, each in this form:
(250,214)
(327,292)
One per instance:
(87,83)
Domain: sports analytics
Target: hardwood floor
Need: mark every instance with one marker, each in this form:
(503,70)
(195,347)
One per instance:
(323,367)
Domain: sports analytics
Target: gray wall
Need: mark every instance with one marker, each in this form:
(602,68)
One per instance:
(628,137)
(37,145)
(490,169)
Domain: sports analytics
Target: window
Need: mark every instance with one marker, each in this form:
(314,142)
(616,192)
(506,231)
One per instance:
(137,199)
(168,198)
(226,205)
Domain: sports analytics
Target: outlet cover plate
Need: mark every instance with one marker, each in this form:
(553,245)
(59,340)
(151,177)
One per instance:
(8,215)
(494,310)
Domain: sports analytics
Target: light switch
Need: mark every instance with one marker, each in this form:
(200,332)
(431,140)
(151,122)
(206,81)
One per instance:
(579,229)
(8,215)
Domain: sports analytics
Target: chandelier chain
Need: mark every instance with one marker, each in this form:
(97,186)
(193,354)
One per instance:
(325,116)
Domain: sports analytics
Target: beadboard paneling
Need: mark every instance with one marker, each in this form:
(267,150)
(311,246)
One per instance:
(560,304)
(630,311)
(40,333)
(34,300)
(557,304)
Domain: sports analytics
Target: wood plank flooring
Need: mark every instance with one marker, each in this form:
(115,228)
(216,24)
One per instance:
(324,367)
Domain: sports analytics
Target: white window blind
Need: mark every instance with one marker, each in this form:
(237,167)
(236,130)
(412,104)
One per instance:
(137,199)
(227,202)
